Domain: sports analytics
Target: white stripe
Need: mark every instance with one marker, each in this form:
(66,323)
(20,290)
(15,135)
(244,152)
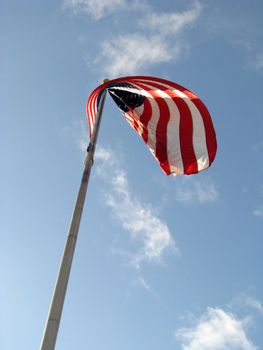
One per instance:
(129,119)
(94,108)
(93,111)
(152,124)
(199,135)
(135,115)
(173,136)
(125,88)
(138,111)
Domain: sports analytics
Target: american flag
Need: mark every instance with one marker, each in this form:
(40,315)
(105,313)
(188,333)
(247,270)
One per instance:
(172,121)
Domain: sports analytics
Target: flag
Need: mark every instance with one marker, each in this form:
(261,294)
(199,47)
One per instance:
(172,121)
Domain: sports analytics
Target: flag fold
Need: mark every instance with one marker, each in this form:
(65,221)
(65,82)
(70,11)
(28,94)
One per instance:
(172,121)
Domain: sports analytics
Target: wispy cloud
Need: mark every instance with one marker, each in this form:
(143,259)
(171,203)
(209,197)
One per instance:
(141,283)
(216,330)
(152,236)
(171,23)
(95,8)
(191,191)
(257,62)
(77,132)
(253,55)
(254,304)
(158,43)
(131,53)
(258,212)
(105,155)
(244,300)
(83,139)
(258,147)
(154,39)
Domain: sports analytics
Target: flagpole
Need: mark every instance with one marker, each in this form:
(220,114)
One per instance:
(51,329)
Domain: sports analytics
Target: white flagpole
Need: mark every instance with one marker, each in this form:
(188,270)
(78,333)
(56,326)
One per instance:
(56,306)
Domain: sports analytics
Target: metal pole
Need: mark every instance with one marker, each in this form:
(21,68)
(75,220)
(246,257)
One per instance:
(56,306)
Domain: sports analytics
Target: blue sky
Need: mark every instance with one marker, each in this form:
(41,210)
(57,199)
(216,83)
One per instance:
(161,262)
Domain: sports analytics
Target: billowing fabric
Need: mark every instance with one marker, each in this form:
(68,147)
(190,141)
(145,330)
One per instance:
(172,121)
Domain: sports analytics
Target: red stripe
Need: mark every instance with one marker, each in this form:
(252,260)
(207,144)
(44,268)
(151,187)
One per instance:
(145,118)
(186,138)
(186,134)
(210,134)
(185,131)
(91,106)
(90,113)
(161,129)
(207,121)
(135,120)
(135,125)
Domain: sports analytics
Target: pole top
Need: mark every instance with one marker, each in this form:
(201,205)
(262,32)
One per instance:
(105,81)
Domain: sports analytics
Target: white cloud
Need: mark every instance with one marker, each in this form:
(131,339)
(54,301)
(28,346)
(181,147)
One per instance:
(152,235)
(140,282)
(171,23)
(254,55)
(254,304)
(131,53)
(134,53)
(258,212)
(83,139)
(137,218)
(191,191)
(104,155)
(77,132)
(257,62)
(252,51)
(95,8)
(253,59)
(216,330)
(258,147)
(243,300)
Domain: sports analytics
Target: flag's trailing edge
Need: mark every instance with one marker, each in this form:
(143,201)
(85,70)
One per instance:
(171,120)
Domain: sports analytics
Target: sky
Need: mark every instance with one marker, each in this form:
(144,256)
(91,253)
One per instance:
(161,262)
